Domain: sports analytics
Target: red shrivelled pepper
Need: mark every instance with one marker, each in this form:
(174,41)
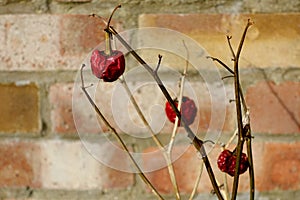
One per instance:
(108,64)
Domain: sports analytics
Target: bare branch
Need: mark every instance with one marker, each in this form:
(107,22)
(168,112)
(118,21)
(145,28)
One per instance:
(221,63)
(116,134)
(239,113)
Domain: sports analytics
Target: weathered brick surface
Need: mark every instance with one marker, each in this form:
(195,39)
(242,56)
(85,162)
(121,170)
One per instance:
(185,174)
(214,111)
(19,108)
(67,164)
(274,108)
(60,97)
(71,111)
(271,35)
(187,168)
(277,166)
(60,42)
(64,40)
(61,164)
(19,164)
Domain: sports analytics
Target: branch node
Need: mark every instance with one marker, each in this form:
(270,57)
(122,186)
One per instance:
(229,37)
(230,46)
(158,64)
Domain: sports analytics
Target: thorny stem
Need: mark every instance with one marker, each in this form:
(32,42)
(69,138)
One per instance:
(155,139)
(140,172)
(241,135)
(196,142)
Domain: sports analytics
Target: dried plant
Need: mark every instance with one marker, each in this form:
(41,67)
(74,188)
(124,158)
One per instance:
(102,66)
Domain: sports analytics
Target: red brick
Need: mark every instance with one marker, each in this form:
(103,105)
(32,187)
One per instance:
(71,111)
(61,112)
(212,110)
(277,167)
(19,164)
(19,108)
(117,172)
(185,174)
(274,108)
(114,179)
(79,33)
(274,33)
(187,169)
(60,97)
(68,165)
(47,42)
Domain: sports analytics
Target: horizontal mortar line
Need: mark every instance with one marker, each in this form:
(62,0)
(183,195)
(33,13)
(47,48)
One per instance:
(258,137)
(288,138)
(70,75)
(38,77)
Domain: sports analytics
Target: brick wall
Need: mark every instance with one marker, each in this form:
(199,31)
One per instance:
(43,44)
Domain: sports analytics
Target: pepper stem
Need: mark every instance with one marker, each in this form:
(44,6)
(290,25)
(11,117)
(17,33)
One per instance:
(108,49)
(108,35)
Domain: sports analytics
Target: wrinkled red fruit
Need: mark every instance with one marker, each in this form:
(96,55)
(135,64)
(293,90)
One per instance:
(227,160)
(107,67)
(188,111)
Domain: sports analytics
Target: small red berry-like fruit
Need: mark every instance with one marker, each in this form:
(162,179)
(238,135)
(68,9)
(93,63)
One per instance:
(227,161)
(223,160)
(107,67)
(109,64)
(188,110)
(244,164)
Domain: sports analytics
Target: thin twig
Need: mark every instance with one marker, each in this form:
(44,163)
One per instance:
(221,63)
(226,189)
(230,46)
(251,166)
(116,134)
(198,144)
(232,72)
(197,182)
(140,113)
(229,76)
(158,64)
(182,80)
(155,139)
